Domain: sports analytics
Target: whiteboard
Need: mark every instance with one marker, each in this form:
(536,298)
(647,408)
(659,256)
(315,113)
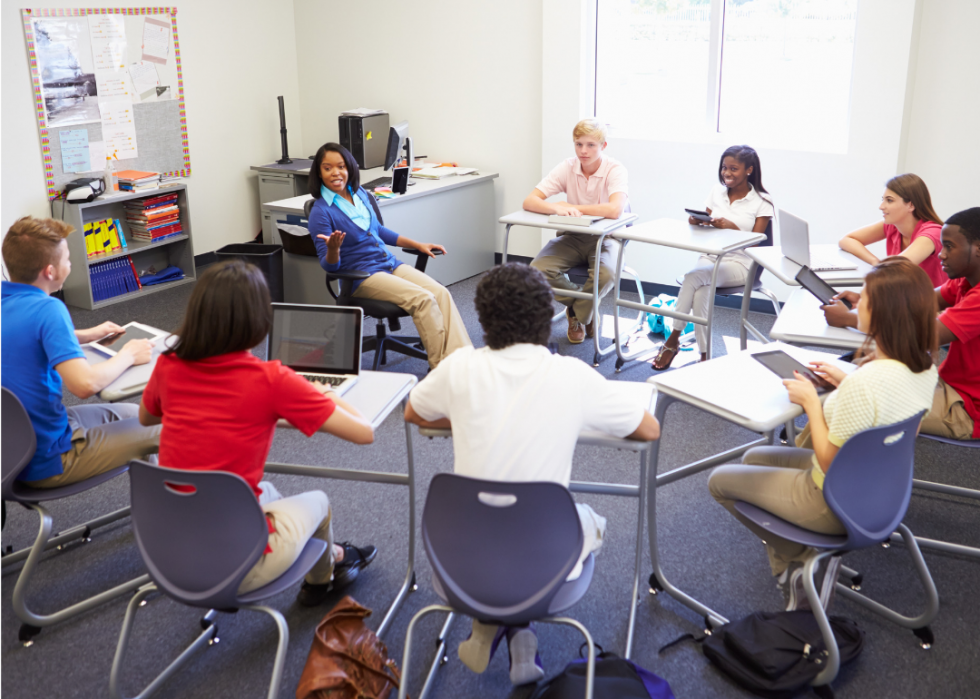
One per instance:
(64,57)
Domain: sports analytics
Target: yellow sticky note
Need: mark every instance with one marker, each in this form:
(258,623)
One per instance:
(369,135)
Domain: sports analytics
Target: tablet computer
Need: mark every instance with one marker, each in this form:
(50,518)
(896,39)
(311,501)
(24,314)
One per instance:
(783,365)
(699,215)
(809,280)
(111,344)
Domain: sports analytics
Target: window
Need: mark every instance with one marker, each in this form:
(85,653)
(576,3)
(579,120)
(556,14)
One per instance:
(776,73)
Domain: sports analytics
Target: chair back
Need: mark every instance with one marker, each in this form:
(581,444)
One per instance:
(199,532)
(869,483)
(500,550)
(765,243)
(19,440)
(308,207)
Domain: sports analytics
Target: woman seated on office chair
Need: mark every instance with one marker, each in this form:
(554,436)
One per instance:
(737,203)
(909,226)
(897,310)
(219,405)
(348,236)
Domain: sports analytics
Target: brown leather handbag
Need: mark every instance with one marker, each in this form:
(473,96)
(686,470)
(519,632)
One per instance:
(347,661)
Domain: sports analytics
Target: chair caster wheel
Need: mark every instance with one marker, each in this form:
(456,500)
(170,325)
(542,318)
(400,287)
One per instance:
(444,660)
(655,585)
(213,641)
(886,544)
(596,358)
(413,586)
(925,636)
(856,582)
(707,626)
(619,365)
(27,633)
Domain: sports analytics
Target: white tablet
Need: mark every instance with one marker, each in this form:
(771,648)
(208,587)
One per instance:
(111,344)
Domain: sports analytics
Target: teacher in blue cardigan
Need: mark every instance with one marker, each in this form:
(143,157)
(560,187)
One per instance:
(348,236)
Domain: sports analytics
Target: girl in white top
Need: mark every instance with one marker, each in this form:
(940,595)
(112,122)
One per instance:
(897,310)
(738,203)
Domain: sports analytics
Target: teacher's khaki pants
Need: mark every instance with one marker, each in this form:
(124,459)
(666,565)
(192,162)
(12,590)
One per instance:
(778,480)
(429,303)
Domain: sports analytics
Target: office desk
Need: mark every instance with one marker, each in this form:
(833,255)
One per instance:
(676,233)
(646,397)
(376,395)
(801,322)
(456,212)
(132,381)
(600,229)
(738,389)
(785,270)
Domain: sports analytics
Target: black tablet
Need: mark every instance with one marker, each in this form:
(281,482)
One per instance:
(809,280)
(699,215)
(783,366)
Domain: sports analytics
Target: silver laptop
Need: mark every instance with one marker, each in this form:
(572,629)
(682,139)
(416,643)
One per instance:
(320,343)
(794,237)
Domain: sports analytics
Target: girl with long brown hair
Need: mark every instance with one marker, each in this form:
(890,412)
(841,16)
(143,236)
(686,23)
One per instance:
(897,310)
(909,226)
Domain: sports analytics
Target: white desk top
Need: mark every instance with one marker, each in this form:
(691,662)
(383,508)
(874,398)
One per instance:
(604,225)
(643,395)
(132,381)
(738,388)
(418,188)
(785,270)
(677,233)
(801,322)
(377,393)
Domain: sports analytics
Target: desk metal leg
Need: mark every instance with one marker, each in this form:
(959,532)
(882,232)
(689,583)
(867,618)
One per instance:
(635,598)
(409,585)
(503,256)
(711,307)
(744,326)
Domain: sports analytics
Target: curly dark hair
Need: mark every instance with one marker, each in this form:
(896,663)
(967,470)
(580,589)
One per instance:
(513,302)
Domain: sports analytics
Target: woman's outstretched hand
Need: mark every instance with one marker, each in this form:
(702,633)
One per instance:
(333,241)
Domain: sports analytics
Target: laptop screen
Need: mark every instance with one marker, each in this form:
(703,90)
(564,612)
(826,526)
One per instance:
(316,339)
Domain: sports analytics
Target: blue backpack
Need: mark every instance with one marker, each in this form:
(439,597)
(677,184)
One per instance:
(658,323)
(615,678)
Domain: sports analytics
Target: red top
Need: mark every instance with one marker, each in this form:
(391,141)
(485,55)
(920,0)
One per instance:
(961,369)
(932,231)
(220,413)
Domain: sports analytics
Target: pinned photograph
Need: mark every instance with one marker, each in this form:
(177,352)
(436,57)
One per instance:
(68,84)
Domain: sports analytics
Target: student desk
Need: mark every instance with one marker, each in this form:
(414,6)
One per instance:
(785,270)
(676,233)
(456,211)
(598,439)
(376,394)
(738,389)
(600,229)
(132,381)
(802,323)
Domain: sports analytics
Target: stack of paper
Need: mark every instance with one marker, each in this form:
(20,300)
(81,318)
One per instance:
(362,112)
(437,173)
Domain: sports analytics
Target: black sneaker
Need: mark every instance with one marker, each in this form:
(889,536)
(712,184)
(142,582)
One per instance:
(344,573)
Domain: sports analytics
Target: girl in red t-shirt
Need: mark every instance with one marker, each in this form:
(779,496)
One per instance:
(219,405)
(909,226)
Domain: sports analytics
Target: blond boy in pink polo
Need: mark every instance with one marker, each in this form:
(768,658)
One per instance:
(594,185)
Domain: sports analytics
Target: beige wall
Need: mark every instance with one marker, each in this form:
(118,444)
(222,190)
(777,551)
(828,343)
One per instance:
(234,66)
(471,93)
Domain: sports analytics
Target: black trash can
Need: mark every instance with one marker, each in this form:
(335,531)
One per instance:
(267,258)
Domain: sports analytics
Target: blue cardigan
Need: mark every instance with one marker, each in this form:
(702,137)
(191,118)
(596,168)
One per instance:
(361,250)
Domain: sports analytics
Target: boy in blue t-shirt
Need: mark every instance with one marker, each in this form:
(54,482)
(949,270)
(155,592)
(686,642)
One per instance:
(41,352)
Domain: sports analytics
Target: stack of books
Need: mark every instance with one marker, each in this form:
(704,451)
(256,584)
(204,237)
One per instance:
(113,278)
(104,237)
(154,219)
(137,180)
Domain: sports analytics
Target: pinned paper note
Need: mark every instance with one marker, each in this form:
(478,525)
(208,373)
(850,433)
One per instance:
(119,129)
(145,79)
(108,34)
(96,155)
(74,150)
(156,41)
(112,86)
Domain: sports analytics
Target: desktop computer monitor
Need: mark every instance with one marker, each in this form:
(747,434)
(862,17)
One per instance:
(397,140)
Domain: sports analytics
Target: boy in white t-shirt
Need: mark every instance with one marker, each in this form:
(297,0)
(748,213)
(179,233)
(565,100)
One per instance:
(516,411)
(594,185)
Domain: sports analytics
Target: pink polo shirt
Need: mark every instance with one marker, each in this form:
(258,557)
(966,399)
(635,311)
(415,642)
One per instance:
(931,230)
(567,177)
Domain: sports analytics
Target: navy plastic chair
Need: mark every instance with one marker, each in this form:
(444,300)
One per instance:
(381,311)
(500,553)
(19,444)
(868,487)
(200,533)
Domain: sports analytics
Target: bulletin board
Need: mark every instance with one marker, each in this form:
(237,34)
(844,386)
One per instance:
(107,81)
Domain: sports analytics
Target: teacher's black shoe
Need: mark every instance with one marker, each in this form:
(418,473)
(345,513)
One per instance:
(344,573)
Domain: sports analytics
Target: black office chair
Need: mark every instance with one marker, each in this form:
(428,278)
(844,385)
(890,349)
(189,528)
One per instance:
(381,311)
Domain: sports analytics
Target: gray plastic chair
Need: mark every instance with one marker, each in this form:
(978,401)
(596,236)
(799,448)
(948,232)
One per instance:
(868,487)
(200,533)
(19,444)
(500,553)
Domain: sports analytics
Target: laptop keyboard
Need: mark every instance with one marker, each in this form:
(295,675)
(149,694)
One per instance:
(377,182)
(332,380)
(819,264)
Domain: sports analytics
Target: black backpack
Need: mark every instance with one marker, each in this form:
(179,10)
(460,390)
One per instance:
(615,678)
(778,654)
